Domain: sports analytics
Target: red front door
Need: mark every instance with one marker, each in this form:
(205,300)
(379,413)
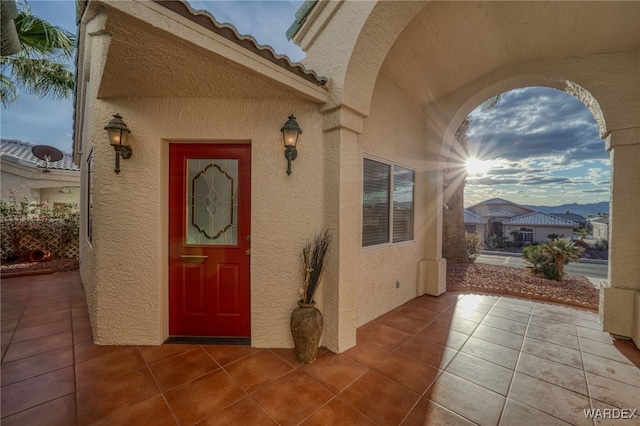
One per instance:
(209,240)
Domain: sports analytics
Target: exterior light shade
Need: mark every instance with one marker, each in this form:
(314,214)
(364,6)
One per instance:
(118,135)
(290,132)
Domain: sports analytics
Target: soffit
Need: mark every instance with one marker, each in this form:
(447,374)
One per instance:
(450,44)
(146,61)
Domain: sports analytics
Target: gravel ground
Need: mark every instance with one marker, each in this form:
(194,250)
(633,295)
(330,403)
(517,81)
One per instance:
(54,265)
(573,289)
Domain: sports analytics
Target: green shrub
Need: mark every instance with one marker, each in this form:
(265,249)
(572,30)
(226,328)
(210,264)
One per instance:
(474,246)
(549,259)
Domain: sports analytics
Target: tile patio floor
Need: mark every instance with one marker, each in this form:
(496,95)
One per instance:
(452,360)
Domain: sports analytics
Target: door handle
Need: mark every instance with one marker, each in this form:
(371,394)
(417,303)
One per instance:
(247,252)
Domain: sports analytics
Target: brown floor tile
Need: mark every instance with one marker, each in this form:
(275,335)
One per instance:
(456,323)
(431,303)
(427,413)
(504,324)
(26,368)
(516,413)
(368,353)
(509,314)
(82,335)
(553,325)
(418,313)
(481,372)
(401,322)
(337,412)
(629,350)
(37,346)
(195,401)
(398,400)
(428,352)
(109,396)
(225,354)
(153,411)
(469,400)
(58,412)
(41,330)
(153,354)
(45,307)
(244,412)
(559,374)
(381,334)
(109,366)
(603,350)
(449,338)
(612,392)
(335,372)
(500,337)
(408,372)
(172,372)
(37,390)
(553,400)
(468,314)
(292,398)
(553,352)
(9,325)
(289,355)
(491,352)
(41,319)
(258,369)
(85,351)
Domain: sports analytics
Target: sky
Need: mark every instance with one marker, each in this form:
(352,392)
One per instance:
(538,146)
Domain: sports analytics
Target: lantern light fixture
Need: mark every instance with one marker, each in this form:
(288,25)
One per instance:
(118,134)
(290,133)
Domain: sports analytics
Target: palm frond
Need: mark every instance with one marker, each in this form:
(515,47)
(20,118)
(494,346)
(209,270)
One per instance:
(8,91)
(38,37)
(42,77)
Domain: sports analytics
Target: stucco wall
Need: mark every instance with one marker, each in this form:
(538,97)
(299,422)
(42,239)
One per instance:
(130,274)
(393,132)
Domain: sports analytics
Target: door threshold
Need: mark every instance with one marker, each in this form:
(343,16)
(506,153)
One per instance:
(196,340)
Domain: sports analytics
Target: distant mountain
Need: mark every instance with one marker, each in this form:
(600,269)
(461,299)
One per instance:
(581,209)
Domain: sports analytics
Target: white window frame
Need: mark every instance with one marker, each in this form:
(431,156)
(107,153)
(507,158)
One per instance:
(389,242)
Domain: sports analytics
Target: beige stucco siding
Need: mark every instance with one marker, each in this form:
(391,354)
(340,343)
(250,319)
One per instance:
(540,232)
(131,304)
(393,132)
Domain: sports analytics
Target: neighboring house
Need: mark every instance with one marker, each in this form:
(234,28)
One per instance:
(573,217)
(536,226)
(504,218)
(23,175)
(600,228)
(200,232)
(475,224)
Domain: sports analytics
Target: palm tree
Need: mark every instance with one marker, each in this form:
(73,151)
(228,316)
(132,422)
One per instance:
(561,251)
(40,66)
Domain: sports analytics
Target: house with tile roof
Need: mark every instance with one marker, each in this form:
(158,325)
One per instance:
(474,223)
(513,221)
(198,225)
(23,175)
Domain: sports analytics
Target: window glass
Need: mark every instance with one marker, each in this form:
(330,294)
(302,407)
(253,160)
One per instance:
(403,179)
(375,203)
(387,203)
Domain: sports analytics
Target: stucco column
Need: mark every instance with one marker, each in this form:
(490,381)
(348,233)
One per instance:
(620,300)
(341,196)
(432,279)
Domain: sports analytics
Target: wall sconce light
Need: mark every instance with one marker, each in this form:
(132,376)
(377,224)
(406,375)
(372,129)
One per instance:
(118,135)
(290,132)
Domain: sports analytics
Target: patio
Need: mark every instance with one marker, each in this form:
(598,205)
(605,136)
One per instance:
(455,360)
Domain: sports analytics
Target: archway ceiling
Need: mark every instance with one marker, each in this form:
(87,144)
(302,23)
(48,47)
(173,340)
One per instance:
(451,44)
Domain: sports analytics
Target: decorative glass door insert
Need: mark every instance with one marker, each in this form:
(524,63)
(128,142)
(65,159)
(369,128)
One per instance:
(212,202)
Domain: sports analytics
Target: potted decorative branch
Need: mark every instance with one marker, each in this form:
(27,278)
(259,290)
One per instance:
(306,319)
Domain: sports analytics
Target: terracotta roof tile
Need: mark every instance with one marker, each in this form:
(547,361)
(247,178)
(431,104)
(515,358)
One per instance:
(539,218)
(20,152)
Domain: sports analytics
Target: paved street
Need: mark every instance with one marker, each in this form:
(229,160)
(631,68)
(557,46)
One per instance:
(589,268)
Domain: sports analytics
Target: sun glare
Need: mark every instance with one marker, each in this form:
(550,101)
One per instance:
(475,166)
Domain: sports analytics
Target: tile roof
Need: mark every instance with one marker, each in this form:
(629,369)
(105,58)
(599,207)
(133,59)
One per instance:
(497,201)
(497,213)
(20,152)
(228,31)
(473,218)
(539,218)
